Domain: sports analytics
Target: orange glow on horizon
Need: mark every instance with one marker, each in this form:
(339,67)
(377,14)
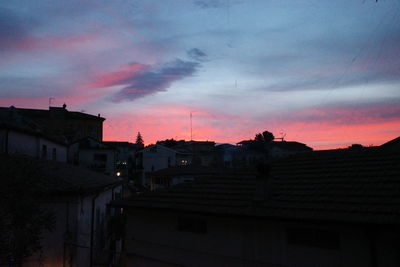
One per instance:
(173,122)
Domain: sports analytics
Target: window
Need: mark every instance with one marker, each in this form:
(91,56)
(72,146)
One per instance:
(54,154)
(117,195)
(197,226)
(184,162)
(326,239)
(100,157)
(44,152)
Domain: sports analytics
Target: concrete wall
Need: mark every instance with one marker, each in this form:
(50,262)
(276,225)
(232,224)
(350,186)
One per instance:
(157,158)
(26,144)
(23,144)
(87,159)
(239,242)
(70,241)
(54,151)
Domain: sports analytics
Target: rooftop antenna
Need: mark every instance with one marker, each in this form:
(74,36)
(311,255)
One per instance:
(283,135)
(50,99)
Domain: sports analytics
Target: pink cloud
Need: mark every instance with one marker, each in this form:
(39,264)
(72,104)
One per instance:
(104,79)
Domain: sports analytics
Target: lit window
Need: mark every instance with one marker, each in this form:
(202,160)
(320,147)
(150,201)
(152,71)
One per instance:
(184,162)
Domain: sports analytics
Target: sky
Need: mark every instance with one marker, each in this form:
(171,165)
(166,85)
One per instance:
(325,73)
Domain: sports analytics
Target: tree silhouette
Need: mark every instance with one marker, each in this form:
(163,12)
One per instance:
(265,137)
(139,140)
(268,137)
(23,221)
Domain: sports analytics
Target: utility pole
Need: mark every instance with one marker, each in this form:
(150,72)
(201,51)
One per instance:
(191,129)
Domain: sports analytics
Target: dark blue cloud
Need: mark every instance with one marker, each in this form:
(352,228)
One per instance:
(155,80)
(14,31)
(197,54)
(204,4)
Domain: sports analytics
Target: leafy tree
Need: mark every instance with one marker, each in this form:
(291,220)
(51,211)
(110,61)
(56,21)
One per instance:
(259,138)
(22,219)
(265,137)
(268,137)
(139,140)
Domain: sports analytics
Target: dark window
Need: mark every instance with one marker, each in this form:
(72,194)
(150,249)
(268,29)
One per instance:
(313,238)
(197,226)
(117,196)
(54,154)
(100,157)
(44,151)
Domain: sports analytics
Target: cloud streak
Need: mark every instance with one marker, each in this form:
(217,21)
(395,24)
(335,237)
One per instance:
(205,4)
(197,54)
(153,80)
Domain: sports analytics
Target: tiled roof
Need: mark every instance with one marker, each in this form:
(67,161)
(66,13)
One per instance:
(341,185)
(194,169)
(392,144)
(61,178)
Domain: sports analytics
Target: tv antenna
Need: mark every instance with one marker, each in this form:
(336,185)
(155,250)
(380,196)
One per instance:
(283,135)
(50,99)
(191,128)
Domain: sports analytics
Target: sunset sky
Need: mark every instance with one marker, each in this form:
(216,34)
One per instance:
(325,73)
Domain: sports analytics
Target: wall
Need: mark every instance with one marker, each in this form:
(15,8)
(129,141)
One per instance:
(23,144)
(73,129)
(87,159)
(60,151)
(156,158)
(241,242)
(3,137)
(30,145)
(70,240)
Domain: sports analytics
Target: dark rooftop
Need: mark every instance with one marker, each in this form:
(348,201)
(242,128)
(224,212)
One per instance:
(291,146)
(193,169)
(54,111)
(392,144)
(60,178)
(337,185)
(11,119)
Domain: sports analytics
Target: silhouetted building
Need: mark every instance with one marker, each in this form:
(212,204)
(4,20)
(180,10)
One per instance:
(323,208)
(21,136)
(93,154)
(281,149)
(392,144)
(78,198)
(58,121)
(168,177)
(124,157)
(157,157)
